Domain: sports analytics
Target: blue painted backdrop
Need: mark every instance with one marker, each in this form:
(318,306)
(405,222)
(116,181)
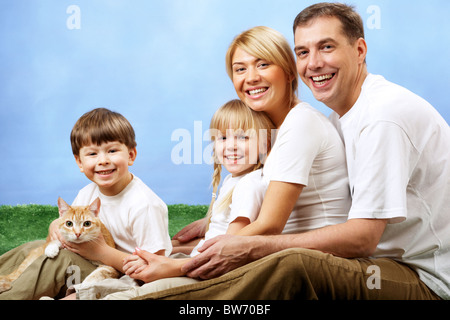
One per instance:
(161,64)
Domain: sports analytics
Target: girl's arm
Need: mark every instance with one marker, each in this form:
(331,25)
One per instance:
(277,206)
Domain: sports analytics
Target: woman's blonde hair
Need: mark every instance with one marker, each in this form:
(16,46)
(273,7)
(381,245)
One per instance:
(267,44)
(236,115)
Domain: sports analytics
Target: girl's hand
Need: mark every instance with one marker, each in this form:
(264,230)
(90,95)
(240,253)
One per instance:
(133,264)
(156,267)
(192,231)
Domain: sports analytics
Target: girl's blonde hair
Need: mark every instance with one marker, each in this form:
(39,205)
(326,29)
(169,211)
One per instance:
(236,115)
(267,44)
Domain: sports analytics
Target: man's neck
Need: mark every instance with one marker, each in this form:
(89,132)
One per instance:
(349,100)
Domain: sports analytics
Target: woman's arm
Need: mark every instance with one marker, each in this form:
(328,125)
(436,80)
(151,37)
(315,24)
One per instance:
(278,204)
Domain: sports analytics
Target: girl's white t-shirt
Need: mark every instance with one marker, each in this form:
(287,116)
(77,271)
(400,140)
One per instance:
(136,217)
(248,193)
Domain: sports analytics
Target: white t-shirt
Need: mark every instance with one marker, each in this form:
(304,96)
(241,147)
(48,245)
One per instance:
(136,217)
(248,194)
(309,151)
(398,155)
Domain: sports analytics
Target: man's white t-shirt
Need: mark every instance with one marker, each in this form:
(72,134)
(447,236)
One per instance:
(309,151)
(398,156)
(136,217)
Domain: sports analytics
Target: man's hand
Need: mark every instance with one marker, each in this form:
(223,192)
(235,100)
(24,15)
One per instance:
(221,255)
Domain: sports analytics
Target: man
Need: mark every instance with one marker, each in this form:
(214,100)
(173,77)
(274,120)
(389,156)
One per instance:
(398,159)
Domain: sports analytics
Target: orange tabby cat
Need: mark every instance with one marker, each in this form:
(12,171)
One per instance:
(76,224)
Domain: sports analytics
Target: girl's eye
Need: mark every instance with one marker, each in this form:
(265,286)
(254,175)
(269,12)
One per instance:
(87,224)
(69,224)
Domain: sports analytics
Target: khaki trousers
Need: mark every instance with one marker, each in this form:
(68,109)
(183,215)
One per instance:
(307,274)
(44,277)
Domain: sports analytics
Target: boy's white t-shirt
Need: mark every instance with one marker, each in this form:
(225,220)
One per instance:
(248,194)
(398,155)
(136,217)
(309,151)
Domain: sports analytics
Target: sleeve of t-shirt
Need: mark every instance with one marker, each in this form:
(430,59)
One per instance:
(299,141)
(248,196)
(381,173)
(149,228)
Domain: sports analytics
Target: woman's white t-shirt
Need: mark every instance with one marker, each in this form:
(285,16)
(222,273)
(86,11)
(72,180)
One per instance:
(309,151)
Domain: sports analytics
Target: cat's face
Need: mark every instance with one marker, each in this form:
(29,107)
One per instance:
(79,224)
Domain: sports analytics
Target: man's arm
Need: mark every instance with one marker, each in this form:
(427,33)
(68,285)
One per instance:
(353,239)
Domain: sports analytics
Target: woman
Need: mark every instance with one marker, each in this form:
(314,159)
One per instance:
(306,169)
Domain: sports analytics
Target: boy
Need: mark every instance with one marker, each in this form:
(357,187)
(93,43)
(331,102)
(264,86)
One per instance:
(104,146)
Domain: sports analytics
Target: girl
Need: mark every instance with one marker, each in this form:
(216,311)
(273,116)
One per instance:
(241,139)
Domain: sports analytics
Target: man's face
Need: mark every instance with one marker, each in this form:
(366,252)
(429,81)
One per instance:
(329,64)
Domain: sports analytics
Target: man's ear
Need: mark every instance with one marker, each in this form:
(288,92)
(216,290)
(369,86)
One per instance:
(362,49)
(79,163)
(132,153)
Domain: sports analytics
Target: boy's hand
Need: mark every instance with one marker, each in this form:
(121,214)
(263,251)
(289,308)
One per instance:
(92,250)
(133,263)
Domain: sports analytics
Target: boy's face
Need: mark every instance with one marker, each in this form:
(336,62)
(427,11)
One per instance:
(107,165)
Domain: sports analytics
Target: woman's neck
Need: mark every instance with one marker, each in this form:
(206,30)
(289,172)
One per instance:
(280,113)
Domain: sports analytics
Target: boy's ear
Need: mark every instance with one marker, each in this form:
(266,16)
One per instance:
(132,153)
(80,165)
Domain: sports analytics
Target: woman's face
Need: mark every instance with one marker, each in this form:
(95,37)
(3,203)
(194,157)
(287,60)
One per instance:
(262,85)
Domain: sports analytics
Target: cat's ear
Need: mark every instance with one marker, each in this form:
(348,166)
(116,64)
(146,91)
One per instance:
(95,206)
(62,206)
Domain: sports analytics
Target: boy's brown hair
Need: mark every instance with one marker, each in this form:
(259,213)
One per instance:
(99,126)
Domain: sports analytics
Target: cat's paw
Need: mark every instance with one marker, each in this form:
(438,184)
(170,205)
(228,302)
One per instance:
(5,284)
(52,249)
